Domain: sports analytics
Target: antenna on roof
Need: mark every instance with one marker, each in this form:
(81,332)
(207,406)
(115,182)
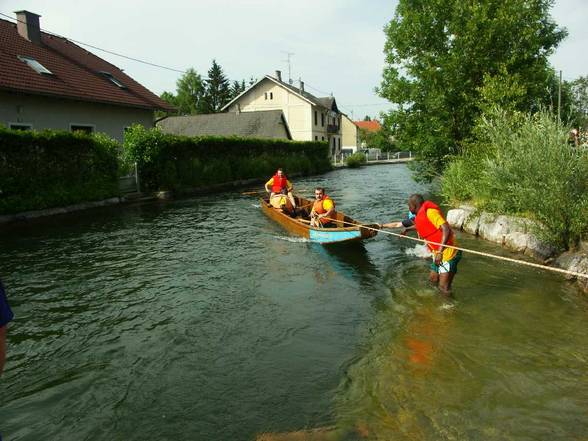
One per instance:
(288,55)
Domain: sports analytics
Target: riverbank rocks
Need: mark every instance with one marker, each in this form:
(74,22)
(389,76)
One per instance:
(510,231)
(576,262)
(516,234)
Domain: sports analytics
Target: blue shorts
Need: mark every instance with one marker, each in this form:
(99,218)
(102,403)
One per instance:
(6,314)
(449,266)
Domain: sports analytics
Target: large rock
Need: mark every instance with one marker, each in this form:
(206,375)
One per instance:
(539,250)
(576,262)
(472,224)
(456,217)
(516,241)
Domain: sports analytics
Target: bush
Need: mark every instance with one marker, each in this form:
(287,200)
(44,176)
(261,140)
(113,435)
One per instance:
(170,162)
(355,160)
(524,166)
(55,168)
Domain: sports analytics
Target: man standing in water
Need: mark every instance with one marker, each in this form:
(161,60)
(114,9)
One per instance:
(5,317)
(432,227)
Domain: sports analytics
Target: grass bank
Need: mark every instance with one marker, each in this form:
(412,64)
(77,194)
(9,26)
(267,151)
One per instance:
(524,165)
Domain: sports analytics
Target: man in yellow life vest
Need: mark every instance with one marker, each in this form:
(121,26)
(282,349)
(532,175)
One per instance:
(323,209)
(281,191)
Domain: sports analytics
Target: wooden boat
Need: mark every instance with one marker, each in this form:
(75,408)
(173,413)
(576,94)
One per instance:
(300,225)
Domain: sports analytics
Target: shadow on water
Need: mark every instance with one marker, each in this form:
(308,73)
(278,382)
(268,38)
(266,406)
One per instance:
(351,260)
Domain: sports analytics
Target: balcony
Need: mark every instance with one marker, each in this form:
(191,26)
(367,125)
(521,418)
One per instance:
(332,128)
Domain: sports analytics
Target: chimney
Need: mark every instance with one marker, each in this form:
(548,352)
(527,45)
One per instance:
(28,26)
(279,75)
(301,86)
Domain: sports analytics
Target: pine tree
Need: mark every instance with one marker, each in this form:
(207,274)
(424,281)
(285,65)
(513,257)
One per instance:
(218,90)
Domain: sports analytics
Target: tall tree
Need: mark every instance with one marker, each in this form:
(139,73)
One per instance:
(237,88)
(579,92)
(218,92)
(190,91)
(447,59)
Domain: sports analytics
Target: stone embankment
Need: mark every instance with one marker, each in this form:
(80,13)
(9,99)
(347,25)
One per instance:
(516,234)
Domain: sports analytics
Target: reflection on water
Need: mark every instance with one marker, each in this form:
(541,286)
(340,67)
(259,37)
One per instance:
(350,260)
(201,319)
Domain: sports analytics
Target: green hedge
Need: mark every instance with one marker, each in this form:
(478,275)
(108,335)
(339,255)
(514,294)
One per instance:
(170,162)
(55,168)
(355,160)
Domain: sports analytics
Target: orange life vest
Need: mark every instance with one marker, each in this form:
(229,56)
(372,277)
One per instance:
(319,209)
(280,183)
(426,229)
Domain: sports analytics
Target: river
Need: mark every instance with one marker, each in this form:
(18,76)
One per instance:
(201,319)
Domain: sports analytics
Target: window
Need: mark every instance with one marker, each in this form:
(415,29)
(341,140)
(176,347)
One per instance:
(20,126)
(86,128)
(322,138)
(271,95)
(35,65)
(339,142)
(112,79)
(315,118)
(334,146)
(265,95)
(315,137)
(322,119)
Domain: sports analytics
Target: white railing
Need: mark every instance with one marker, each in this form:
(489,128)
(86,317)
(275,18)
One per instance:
(375,157)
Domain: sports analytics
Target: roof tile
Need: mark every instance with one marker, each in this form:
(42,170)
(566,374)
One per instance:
(75,72)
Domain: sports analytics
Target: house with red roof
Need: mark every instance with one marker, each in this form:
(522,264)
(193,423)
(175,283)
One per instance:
(369,126)
(48,82)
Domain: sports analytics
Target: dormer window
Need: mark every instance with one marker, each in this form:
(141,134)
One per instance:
(35,65)
(112,79)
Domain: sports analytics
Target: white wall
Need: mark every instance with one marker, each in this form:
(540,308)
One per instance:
(56,113)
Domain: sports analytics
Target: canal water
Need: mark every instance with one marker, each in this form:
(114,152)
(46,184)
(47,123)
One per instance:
(201,319)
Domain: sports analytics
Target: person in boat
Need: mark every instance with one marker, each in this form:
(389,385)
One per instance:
(280,191)
(432,226)
(5,317)
(323,209)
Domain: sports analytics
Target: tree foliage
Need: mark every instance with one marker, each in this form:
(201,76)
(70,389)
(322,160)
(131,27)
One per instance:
(197,95)
(189,98)
(448,60)
(579,101)
(218,89)
(382,139)
(526,167)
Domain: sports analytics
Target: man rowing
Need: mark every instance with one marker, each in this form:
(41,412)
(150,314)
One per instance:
(281,191)
(434,229)
(323,209)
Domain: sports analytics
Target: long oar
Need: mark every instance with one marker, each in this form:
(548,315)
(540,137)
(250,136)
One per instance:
(257,192)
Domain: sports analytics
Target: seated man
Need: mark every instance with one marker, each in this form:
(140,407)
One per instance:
(323,210)
(280,186)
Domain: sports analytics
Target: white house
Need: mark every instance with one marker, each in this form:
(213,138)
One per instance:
(309,118)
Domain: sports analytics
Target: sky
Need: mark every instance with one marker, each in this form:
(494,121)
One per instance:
(336,45)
